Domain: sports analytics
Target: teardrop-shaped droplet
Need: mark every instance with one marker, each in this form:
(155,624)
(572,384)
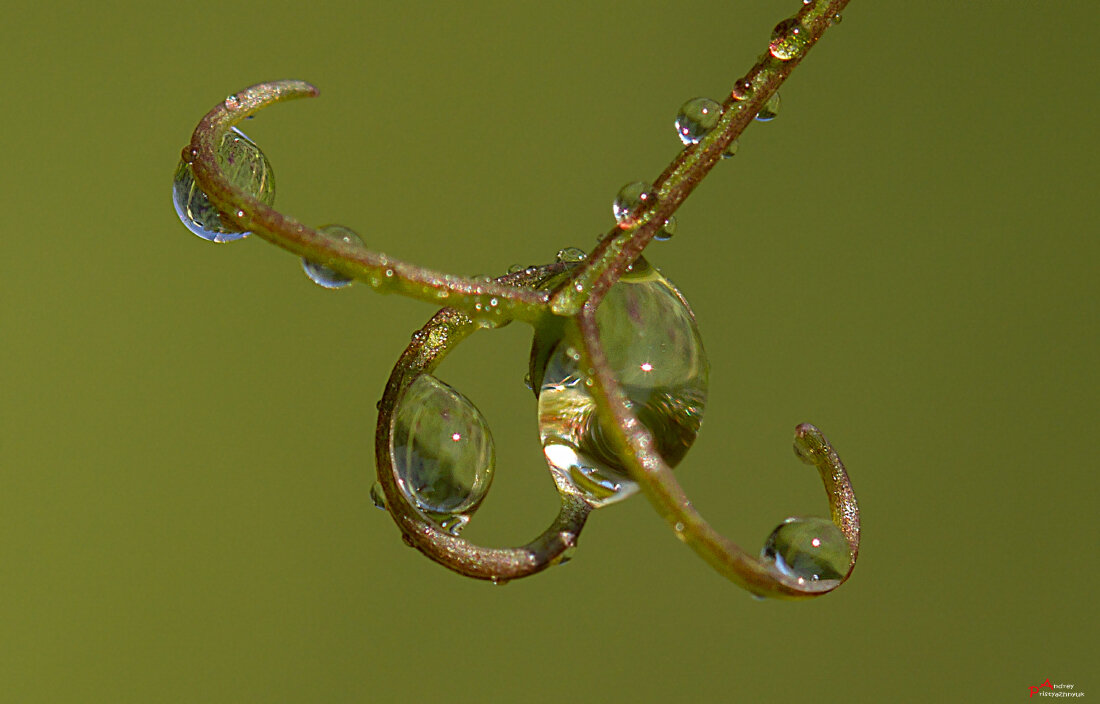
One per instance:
(731,150)
(571,254)
(770,110)
(443,452)
(321,274)
(655,351)
(245,166)
(633,201)
(667,230)
(789,40)
(697,117)
(377,496)
(810,549)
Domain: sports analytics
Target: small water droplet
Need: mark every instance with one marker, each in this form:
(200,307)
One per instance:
(498,581)
(527,381)
(770,109)
(655,351)
(696,119)
(742,89)
(321,274)
(808,549)
(232,103)
(570,254)
(443,452)
(378,405)
(377,496)
(567,555)
(836,19)
(679,527)
(633,201)
(789,40)
(731,150)
(245,167)
(516,268)
(667,231)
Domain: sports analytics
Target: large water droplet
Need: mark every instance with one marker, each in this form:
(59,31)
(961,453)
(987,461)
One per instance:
(770,110)
(655,351)
(245,166)
(808,548)
(789,40)
(632,202)
(697,117)
(442,452)
(321,274)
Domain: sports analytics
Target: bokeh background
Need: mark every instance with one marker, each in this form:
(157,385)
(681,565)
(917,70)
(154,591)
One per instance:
(906,257)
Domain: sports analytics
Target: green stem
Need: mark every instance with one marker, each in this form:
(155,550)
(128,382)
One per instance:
(488,301)
(619,248)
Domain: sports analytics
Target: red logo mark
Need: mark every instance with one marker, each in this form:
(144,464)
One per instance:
(1046,684)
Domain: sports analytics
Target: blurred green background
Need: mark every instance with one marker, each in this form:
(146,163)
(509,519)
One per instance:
(906,257)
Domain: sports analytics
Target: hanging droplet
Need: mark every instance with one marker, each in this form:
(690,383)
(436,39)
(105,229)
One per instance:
(321,274)
(789,40)
(632,202)
(245,167)
(836,19)
(667,230)
(770,109)
(655,351)
(377,496)
(697,117)
(731,150)
(443,452)
(570,254)
(810,549)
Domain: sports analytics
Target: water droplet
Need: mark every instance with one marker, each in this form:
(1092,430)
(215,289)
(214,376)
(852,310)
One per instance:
(633,201)
(499,581)
(731,150)
(770,109)
(836,19)
(442,452)
(570,254)
(789,40)
(655,351)
(321,274)
(232,103)
(697,117)
(808,549)
(377,496)
(527,381)
(742,89)
(516,268)
(667,231)
(567,555)
(245,167)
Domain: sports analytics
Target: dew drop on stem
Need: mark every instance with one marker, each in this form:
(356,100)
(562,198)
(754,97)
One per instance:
(770,110)
(654,349)
(443,452)
(809,549)
(321,274)
(245,167)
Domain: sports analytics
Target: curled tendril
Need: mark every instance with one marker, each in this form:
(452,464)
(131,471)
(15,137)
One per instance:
(474,304)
